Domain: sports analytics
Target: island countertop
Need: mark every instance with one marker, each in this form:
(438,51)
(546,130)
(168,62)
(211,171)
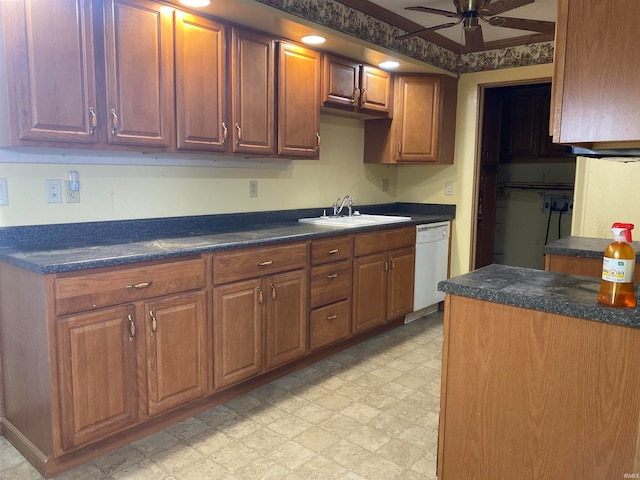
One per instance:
(552,292)
(584,247)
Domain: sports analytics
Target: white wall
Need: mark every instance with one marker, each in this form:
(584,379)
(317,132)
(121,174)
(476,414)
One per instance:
(425,183)
(607,191)
(117,192)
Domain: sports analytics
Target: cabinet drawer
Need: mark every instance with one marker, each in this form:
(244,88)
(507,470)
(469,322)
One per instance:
(255,262)
(330,250)
(330,324)
(330,283)
(95,290)
(385,240)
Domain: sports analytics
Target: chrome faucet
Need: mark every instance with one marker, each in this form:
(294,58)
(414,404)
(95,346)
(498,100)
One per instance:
(339,205)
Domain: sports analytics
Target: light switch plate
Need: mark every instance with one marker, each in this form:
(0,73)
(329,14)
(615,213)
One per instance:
(4,193)
(53,190)
(448,187)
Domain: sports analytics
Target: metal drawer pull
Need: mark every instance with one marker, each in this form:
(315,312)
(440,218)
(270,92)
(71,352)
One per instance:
(265,264)
(333,252)
(333,275)
(332,317)
(132,328)
(154,323)
(93,120)
(140,285)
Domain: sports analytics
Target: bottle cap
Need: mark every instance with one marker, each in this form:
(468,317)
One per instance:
(622,231)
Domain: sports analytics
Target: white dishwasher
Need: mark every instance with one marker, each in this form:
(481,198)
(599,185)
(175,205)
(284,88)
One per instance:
(432,262)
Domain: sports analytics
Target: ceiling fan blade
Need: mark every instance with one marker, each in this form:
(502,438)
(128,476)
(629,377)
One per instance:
(433,10)
(523,24)
(473,39)
(430,29)
(500,6)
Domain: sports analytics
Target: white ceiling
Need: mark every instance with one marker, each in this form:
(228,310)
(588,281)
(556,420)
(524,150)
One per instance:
(539,10)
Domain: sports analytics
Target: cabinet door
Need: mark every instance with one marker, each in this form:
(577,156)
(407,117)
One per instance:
(97,374)
(200,86)
(51,66)
(139,73)
(375,90)
(252,93)
(286,327)
(369,291)
(340,82)
(524,117)
(176,336)
(417,118)
(237,331)
(401,279)
(298,101)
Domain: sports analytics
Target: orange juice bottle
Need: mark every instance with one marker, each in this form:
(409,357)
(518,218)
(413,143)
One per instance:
(616,287)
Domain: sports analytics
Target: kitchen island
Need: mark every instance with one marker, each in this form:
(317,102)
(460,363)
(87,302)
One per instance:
(538,380)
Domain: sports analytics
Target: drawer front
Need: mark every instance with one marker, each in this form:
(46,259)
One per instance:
(254,262)
(330,283)
(95,290)
(330,324)
(385,240)
(330,250)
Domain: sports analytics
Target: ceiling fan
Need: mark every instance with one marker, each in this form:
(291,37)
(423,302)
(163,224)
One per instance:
(468,12)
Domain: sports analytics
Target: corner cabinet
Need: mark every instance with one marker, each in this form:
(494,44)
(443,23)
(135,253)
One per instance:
(298,101)
(51,71)
(349,85)
(423,126)
(596,95)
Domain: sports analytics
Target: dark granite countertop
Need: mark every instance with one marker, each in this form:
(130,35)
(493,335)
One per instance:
(69,247)
(584,247)
(558,293)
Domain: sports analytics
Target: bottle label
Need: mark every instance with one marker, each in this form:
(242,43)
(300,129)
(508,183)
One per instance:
(617,270)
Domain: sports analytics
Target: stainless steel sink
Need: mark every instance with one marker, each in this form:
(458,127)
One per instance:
(355,220)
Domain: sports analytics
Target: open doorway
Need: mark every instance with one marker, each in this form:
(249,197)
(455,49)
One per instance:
(525,182)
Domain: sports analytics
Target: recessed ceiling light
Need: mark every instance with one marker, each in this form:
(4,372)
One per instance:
(389,64)
(313,39)
(195,3)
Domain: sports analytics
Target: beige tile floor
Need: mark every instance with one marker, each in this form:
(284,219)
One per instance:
(370,412)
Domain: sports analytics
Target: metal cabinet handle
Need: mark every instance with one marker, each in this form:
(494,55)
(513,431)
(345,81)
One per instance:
(265,264)
(132,328)
(332,317)
(386,266)
(140,285)
(93,120)
(333,252)
(318,139)
(224,133)
(274,293)
(114,117)
(363,98)
(393,263)
(356,95)
(399,148)
(239,130)
(154,323)
(333,275)
(260,296)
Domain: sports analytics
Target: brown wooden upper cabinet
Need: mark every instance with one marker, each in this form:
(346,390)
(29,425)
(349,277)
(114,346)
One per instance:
(252,93)
(51,71)
(352,86)
(423,125)
(596,95)
(139,73)
(298,101)
(201,108)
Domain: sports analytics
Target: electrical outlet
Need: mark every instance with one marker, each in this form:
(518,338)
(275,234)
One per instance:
(253,188)
(4,193)
(557,203)
(53,191)
(71,195)
(385,184)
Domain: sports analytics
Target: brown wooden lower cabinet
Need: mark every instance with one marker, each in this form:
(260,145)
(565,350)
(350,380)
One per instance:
(591,267)
(535,395)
